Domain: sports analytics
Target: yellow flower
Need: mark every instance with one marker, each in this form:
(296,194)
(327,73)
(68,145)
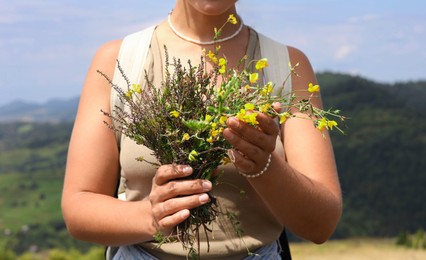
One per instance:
(260,64)
(222,120)
(240,115)
(185,137)
(226,160)
(192,156)
(251,119)
(232,19)
(208,118)
(212,57)
(264,108)
(136,88)
(322,124)
(214,132)
(313,88)
(254,77)
(210,139)
(249,106)
(268,88)
(331,124)
(222,65)
(174,113)
(247,118)
(283,117)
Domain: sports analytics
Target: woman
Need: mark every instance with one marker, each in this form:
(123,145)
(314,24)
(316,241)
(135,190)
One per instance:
(290,181)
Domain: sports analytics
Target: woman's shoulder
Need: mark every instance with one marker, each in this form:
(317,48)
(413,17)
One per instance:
(108,51)
(297,55)
(302,67)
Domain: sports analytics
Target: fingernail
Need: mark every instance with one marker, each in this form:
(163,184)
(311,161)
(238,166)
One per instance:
(187,170)
(207,185)
(204,198)
(184,213)
(231,155)
(232,122)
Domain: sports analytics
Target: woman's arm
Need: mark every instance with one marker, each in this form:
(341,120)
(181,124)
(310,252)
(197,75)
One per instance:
(303,191)
(89,208)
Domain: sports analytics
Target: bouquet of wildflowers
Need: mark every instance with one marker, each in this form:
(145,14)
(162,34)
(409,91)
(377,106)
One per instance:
(182,121)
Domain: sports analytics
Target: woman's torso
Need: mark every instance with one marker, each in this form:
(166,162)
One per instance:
(234,193)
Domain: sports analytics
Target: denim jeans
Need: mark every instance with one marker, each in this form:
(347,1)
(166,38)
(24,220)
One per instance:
(269,252)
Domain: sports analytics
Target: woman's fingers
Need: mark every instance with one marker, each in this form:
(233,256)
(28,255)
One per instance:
(250,140)
(170,180)
(245,164)
(169,213)
(170,172)
(177,188)
(277,106)
(172,197)
(169,222)
(253,145)
(267,124)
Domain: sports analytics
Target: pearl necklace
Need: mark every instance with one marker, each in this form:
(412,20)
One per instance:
(200,42)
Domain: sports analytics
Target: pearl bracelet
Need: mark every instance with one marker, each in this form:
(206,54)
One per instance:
(261,172)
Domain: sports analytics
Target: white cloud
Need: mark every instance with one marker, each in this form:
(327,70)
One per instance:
(365,18)
(343,52)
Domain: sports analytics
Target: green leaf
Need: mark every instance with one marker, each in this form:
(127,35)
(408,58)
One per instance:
(196,125)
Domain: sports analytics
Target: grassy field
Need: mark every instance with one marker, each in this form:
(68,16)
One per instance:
(355,249)
(29,199)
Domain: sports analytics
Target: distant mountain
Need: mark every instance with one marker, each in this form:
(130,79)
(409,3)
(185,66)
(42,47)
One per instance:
(55,110)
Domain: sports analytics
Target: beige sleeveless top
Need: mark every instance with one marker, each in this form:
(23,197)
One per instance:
(259,225)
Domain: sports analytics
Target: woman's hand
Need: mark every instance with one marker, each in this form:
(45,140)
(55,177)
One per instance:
(252,145)
(172,197)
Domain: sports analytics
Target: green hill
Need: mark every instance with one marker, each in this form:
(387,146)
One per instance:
(32,161)
(381,162)
(381,159)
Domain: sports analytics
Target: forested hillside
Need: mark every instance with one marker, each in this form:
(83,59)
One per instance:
(32,161)
(381,159)
(381,162)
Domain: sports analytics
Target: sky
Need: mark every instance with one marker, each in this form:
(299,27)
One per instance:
(46,46)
